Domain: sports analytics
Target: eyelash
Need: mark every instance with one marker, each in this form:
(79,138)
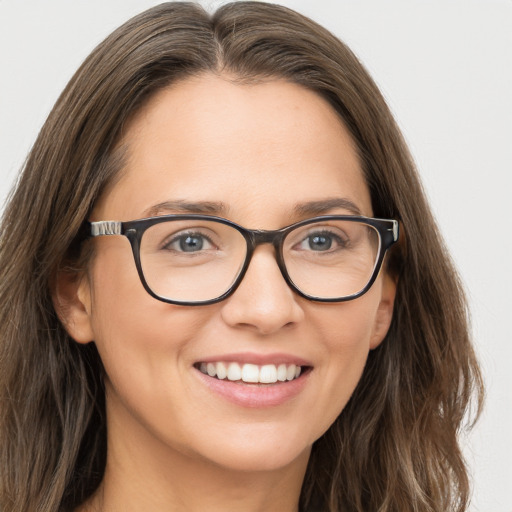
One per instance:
(341,243)
(177,238)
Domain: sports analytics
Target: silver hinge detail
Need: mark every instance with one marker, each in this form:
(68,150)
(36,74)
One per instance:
(105,227)
(395,230)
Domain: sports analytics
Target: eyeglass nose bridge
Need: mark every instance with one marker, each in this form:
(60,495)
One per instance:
(256,237)
(263,236)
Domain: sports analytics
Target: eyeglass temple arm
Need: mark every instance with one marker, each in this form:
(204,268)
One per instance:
(106,227)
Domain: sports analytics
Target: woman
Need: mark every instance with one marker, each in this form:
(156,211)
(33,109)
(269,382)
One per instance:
(265,338)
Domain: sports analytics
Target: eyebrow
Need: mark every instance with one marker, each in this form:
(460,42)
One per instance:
(324,206)
(310,208)
(180,206)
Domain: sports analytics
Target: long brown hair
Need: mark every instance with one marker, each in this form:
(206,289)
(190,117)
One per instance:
(394,447)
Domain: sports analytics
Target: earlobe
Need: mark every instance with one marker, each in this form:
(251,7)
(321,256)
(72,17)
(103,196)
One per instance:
(384,313)
(72,302)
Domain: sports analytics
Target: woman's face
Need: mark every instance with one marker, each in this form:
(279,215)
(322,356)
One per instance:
(259,155)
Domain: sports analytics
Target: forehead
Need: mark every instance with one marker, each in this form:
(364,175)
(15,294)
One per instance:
(260,149)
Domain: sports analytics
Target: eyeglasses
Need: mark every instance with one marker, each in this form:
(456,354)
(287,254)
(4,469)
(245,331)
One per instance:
(201,259)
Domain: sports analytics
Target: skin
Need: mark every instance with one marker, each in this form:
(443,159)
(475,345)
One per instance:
(172,443)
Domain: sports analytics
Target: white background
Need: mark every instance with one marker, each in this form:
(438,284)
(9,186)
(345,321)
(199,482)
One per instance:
(446,70)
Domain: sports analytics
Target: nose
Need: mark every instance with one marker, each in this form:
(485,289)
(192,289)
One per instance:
(263,302)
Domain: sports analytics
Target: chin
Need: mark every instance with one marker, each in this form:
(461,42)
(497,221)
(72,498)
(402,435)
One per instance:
(265,460)
(256,449)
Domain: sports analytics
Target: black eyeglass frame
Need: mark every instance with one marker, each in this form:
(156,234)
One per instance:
(133,230)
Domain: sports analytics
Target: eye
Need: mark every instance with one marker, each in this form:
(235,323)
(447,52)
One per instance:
(189,242)
(321,241)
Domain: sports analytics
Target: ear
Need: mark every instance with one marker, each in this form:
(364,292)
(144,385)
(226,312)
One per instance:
(384,313)
(72,302)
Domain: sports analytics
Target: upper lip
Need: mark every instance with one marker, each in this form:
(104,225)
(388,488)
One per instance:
(257,359)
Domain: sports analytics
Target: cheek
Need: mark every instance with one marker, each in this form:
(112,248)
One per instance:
(144,345)
(122,309)
(344,341)
(134,332)
(347,327)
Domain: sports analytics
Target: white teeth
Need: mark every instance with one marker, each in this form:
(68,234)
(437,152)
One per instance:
(222,371)
(268,374)
(211,369)
(281,372)
(251,373)
(234,372)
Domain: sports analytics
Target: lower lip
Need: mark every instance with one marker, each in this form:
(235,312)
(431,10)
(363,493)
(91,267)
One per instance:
(255,395)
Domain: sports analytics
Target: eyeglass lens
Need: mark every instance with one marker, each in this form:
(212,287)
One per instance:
(199,260)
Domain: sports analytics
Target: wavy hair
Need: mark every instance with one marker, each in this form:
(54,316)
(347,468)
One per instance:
(394,447)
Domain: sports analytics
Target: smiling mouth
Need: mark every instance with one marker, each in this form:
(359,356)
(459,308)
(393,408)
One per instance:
(251,373)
